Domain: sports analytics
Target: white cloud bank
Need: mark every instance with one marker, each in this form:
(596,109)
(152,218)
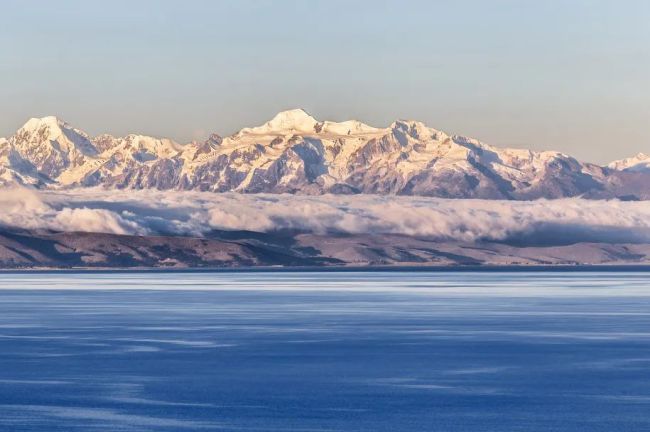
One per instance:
(196,213)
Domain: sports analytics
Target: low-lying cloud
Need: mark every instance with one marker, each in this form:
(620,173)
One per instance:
(197,214)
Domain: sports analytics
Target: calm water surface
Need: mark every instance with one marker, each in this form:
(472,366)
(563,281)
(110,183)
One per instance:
(325,352)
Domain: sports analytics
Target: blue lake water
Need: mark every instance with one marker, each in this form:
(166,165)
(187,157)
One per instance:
(392,351)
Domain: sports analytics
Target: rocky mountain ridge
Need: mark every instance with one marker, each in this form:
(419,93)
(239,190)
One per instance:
(295,153)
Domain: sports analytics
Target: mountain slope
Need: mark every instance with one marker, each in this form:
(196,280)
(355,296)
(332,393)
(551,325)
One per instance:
(295,153)
(638,163)
(25,249)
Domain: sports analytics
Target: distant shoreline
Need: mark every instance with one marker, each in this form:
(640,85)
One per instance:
(349,269)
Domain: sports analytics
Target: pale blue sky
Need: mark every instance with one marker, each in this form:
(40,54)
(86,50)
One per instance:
(571,75)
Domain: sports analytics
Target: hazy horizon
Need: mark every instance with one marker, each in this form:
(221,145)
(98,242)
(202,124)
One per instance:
(566,76)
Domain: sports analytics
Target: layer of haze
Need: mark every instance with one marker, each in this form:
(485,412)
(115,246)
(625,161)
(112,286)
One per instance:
(564,75)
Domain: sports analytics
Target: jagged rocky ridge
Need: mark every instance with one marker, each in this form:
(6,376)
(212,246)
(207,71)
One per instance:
(295,153)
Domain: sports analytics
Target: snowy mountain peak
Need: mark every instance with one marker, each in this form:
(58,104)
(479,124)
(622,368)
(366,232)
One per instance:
(52,124)
(640,162)
(290,120)
(416,130)
(51,128)
(36,122)
(50,147)
(349,127)
(293,117)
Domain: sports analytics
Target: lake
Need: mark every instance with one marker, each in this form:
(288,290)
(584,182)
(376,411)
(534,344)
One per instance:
(325,351)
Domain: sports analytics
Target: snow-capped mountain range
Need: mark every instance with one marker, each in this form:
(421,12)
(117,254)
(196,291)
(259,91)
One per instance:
(295,153)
